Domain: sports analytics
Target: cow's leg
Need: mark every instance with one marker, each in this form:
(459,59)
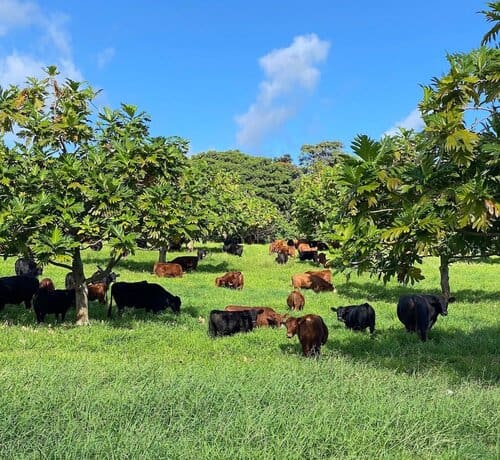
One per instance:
(27,303)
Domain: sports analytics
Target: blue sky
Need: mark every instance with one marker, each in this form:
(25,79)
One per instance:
(264,77)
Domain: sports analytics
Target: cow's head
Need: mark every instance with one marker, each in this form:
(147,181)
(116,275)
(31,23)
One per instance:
(175,304)
(291,325)
(440,303)
(341,312)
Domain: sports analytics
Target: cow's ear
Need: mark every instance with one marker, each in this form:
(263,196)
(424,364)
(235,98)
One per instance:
(451,299)
(260,311)
(334,309)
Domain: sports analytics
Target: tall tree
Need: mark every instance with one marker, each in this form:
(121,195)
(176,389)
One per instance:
(73,177)
(325,153)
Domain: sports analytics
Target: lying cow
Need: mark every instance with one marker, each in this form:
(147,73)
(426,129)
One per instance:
(168,270)
(309,281)
(419,312)
(357,317)
(57,302)
(267,318)
(221,323)
(27,267)
(232,280)
(296,301)
(17,289)
(187,263)
(233,248)
(150,296)
(311,330)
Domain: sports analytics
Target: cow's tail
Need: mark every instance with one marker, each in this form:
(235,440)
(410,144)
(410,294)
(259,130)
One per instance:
(110,308)
(422,312)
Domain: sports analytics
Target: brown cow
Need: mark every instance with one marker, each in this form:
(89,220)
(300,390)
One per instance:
(312,332)
(323,274)
(168,270)
(310,281)
(295,301)
(98,291)
(48,284)
(267,318)
(233,280)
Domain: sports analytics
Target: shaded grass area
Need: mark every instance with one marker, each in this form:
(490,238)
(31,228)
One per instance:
(156,386)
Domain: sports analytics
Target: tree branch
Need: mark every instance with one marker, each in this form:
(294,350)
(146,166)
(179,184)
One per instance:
(59,264)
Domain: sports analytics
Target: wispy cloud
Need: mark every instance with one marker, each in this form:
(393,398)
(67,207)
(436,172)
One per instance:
(412,121)
(105,56)
(50,39)
(289,72)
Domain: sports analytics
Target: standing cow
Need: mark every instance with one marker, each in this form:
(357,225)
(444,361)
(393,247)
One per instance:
(57,301)
(17,289)
(419,312)
(27,267)
(357,317)
(296,301)
(312,333)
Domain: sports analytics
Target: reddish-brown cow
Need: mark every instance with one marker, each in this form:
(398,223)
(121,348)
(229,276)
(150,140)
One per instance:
(98,291)
(312,333)
(233,280)
(295,301)
(168,270)
(309,281)
(267,318)
(48,284)
(323,274)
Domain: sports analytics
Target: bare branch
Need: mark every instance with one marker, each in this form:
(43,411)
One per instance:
(59,264)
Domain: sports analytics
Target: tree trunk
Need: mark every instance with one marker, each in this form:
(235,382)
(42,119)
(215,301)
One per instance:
(162,257)
(81,292)
(444,270)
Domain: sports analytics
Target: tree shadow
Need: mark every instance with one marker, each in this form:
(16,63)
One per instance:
(462,355)
(210,268)
(135,266)
(375,291)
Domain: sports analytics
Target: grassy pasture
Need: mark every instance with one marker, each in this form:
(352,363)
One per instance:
(146,386)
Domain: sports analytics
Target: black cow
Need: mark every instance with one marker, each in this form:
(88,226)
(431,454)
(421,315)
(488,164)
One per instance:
(150,296)
(281,258)
(186,262)
(27,267)
(69,280)
(233,248)
(222,323)
(202,253)
(17,289)
(419,312)
(357,317)
(308,255)
(57,301)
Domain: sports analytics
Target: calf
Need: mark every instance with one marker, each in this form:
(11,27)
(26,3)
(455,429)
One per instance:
(150,296)
(27,267)
(282,258)
(312,333)
(57,302)
(232,280)
(187,263)
(357,317)
(169,270)
(17,289)
(47,283)
(222,323)
(266,317)
(295,301)
(419,312)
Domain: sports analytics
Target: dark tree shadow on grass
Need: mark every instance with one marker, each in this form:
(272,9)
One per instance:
(463,355)
(209,268)
(374,291)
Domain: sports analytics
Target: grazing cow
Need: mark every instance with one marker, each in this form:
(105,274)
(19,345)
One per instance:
(27,267)
(17,289)
(150,296)
(312,332)
(309,281)
(47,283)
(357,317)
(168,270)
(232,280)
(282,258)
(419,312)
(202,253)
(322,259)
(222,323)
(233,248)
(320,245)
(295,301)
(57,302)
(311,254)
(266,317)
(187,263)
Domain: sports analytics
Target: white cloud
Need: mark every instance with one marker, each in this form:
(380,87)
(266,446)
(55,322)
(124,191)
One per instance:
(412,121)
(105,56)
(49,37)
(289,72)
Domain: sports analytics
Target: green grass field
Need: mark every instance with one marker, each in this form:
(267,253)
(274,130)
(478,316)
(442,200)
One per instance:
(146,386)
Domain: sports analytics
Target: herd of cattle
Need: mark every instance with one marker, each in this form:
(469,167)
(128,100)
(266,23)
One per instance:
(418,312)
